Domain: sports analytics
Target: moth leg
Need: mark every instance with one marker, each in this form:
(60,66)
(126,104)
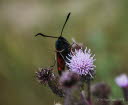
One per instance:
(60,51)
(54,62)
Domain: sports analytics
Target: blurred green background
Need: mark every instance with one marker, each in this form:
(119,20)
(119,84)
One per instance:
(101,25)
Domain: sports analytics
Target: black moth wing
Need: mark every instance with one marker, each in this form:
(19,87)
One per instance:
(63,48)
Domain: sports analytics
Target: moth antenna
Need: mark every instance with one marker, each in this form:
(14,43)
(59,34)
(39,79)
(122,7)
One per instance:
(45,35)
(65,23)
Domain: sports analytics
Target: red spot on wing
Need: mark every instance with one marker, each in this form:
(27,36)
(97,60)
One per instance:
(60,63)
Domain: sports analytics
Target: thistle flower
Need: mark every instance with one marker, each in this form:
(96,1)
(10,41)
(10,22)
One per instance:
(122,80)
(101,90)
(81,62)
(44,75)
(69,79)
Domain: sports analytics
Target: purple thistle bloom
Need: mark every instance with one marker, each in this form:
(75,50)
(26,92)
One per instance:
(81,62)
(122,80)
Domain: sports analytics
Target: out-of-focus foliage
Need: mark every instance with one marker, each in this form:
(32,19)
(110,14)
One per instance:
(101,25)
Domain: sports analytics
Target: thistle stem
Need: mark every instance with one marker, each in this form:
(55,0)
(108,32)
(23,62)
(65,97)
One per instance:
(67,100)
(125,91)
(89,92)
(83,98)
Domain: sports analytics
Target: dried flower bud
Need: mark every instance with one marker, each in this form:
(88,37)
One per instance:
(101,90)
(117,102)
(44,75)
(69,79)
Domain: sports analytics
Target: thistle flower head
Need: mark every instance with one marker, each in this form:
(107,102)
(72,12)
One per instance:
(81,62)
(69,79)
(101,90)
(44,75)
(122,80)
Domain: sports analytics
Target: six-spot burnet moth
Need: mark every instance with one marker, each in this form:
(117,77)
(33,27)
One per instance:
(63,48)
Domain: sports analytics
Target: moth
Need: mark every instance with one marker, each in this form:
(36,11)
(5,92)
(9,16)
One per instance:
(62,46)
